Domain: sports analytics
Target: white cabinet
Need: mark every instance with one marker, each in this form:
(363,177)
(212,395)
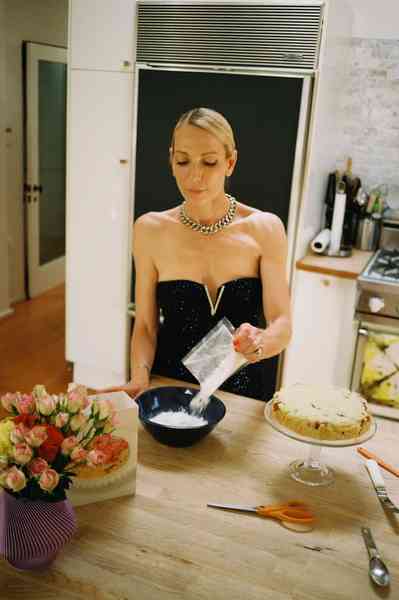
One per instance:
(323,339)
(101,34)
(99,217)
(99,189)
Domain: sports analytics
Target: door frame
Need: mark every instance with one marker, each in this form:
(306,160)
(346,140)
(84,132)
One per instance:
(38,278)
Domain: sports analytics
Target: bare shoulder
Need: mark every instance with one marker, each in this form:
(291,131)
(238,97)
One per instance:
(155,220)
(154,223)
(270,223)
(267,229)
(149,231)
(262,221)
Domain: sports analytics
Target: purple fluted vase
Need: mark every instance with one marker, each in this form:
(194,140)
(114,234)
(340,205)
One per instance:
(32,531)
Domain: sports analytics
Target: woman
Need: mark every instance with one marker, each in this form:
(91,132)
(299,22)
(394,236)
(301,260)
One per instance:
(210,257)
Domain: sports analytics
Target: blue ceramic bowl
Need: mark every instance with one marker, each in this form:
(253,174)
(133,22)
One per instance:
(156,400)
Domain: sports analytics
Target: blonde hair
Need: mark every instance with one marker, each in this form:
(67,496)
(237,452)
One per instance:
(211,121)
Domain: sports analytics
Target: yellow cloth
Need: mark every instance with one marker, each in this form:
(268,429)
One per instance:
(379,379)
(387,392)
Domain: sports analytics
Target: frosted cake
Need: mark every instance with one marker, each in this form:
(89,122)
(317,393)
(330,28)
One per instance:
(324,413)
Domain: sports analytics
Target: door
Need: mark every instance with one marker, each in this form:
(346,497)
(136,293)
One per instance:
(267,114)
(375,365)
(99,220)
(45,155)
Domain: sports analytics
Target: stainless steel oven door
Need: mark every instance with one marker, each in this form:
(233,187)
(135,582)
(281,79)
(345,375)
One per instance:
(370,327)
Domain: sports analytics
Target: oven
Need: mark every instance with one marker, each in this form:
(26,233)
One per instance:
(375,366)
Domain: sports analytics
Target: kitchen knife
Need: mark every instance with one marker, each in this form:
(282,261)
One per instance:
(379,485)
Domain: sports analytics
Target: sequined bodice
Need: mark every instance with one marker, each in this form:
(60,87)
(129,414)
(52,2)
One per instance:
(189,313)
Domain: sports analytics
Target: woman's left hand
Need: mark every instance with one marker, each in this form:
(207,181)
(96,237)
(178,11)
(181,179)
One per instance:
(248,340)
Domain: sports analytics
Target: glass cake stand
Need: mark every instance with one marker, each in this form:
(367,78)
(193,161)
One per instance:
(312,470)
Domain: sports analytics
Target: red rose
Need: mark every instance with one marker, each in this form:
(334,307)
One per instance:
(28,420)
(50,447)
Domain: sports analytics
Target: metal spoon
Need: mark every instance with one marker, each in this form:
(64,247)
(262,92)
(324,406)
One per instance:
(378,570)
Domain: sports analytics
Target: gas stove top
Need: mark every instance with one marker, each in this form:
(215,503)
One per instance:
(382,268)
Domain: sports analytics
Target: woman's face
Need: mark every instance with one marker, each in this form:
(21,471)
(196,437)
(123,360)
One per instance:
(199,164)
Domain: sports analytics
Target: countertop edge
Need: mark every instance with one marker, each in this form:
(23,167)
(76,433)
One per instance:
(301,266)
(346,268)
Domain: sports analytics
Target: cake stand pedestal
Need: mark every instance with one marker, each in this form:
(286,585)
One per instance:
(312,470)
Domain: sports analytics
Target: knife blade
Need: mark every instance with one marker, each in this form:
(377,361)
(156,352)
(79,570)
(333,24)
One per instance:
(379,485)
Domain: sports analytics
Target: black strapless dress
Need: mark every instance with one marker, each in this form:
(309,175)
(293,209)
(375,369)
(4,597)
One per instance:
(188,316)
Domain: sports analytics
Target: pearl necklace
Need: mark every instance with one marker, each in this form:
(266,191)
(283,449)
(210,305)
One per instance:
(214,227)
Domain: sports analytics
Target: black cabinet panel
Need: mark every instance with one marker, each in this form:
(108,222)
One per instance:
(263,112)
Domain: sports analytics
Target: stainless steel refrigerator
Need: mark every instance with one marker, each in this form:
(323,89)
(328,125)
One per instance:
(189,57)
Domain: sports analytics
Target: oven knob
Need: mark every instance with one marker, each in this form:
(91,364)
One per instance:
(376,304)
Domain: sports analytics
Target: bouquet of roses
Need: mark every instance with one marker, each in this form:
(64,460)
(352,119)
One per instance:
(45,436)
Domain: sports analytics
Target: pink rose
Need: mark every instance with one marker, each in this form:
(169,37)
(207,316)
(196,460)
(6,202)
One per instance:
(46,405)
(87,402)
(36,436)
(17,435)
(77,422)
(22,453)
(77,397)
(49,480)
(37,466)
(61,420)
(25,404)
(78,454)
(8,401)
(69,444)
(96,457)
(105,409)
(15,479)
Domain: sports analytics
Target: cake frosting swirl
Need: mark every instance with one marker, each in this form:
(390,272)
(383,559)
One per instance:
(321,412)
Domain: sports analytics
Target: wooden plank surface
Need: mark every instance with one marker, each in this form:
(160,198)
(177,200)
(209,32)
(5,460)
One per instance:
(348,267)
(165,543)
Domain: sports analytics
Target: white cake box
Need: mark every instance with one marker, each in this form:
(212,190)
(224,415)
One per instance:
(121,482)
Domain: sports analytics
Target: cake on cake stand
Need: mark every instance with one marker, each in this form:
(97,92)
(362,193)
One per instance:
(312,470)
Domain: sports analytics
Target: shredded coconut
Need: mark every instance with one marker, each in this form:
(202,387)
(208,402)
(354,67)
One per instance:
(179,419)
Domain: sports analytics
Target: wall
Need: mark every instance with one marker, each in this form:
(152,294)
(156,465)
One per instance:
(370,102)
(43,21)
(375,20)
(370,123)
(4,292)
(367,107)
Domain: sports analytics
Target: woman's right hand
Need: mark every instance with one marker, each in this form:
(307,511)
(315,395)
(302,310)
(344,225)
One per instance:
(132,388)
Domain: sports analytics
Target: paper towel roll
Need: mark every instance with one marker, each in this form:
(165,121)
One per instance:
(337,223)
(321,241)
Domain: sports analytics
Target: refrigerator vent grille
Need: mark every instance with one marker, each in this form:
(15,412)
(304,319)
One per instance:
(256,36)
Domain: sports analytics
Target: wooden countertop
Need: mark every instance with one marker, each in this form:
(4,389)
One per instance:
(164,543)
(348,268)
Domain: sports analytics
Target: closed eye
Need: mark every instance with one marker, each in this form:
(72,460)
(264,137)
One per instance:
(182,163)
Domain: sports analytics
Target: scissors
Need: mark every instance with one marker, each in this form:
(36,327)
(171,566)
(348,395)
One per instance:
(294,512)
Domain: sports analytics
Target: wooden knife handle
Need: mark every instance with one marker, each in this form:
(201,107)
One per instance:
(382,464)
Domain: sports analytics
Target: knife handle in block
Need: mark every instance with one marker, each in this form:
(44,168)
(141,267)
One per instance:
(375,473)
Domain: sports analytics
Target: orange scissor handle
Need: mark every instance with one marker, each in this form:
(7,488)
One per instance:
(297,512)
